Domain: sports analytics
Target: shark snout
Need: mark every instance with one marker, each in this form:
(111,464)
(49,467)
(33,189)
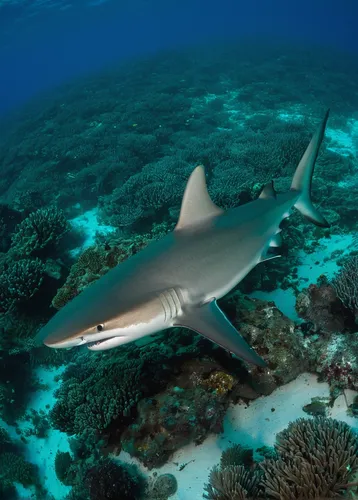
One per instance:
(64,343)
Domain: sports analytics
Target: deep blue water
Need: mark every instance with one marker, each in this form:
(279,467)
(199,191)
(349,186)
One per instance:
(46,43)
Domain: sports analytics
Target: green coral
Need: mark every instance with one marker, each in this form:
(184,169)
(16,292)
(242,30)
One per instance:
(110,390)
(63,462)
(20,281)
(15,468)
(40,232)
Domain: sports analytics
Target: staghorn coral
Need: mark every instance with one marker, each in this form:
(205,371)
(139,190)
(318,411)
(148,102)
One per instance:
(233,483)
(40,232)
(317,458)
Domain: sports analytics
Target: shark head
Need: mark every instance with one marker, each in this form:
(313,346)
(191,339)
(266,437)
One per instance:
(102,324)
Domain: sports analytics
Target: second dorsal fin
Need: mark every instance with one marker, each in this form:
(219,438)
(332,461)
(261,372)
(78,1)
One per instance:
(197,204)
(268,191)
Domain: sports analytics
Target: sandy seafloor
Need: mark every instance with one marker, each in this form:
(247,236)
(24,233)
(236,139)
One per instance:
(254,425)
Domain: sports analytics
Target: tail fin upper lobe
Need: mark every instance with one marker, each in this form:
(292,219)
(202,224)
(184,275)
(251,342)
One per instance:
(302,178)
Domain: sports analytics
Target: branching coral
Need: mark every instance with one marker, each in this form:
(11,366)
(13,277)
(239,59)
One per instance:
(237,455)
(20,282)
(40,232)
(232,483)
(346,284)
(318,457)
(112,387)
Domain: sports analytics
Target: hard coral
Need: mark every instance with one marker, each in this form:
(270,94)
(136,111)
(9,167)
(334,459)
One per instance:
(40,232)
(336,362)
(273,336)
(320,305)
(113,481)
(233,483)
(346,284)
(161,487)
(20,281)
(317,458)
(185,413)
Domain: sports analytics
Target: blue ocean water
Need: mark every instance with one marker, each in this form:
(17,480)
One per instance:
(106,108)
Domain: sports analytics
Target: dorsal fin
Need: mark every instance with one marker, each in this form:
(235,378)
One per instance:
(197,204)
(268,191)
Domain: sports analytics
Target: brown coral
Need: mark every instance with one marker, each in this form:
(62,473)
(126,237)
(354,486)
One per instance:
(317,459)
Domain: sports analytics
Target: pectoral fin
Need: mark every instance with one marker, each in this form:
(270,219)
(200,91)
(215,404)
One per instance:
(211,322)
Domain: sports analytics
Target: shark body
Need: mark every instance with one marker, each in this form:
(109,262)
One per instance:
(177,280)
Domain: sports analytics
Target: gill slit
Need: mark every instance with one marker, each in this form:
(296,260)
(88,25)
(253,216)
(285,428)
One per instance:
(171,302)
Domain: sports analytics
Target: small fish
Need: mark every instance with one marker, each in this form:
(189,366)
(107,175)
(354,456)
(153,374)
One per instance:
(177,280)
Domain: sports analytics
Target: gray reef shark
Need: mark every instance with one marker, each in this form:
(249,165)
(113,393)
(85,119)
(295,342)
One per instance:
(177,280)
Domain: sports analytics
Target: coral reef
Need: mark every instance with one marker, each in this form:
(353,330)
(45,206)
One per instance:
(20,281)
(346,284)
(185,413)
(314,458)
(273,336)
(161,487)
(40,232)
(108,480)
(15,384)
(317,459)
(233,483)
(15,469)
(237,455)
(130,150)
(319,305)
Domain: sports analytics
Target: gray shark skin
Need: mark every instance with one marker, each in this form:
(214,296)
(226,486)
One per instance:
(177,280)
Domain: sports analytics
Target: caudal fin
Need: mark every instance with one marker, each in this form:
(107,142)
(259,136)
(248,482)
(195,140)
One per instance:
(302,178)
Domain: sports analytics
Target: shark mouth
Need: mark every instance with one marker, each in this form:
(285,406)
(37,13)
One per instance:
(102,345)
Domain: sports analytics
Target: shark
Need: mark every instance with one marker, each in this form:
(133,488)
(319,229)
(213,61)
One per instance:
(177,280)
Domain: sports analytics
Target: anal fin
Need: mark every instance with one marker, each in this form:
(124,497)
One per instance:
(211,322)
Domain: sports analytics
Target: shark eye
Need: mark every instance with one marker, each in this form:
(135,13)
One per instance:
(100,328)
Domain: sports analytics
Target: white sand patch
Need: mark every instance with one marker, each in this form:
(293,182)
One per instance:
(255,426)
(322,261)
(89,225)
(42,451)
